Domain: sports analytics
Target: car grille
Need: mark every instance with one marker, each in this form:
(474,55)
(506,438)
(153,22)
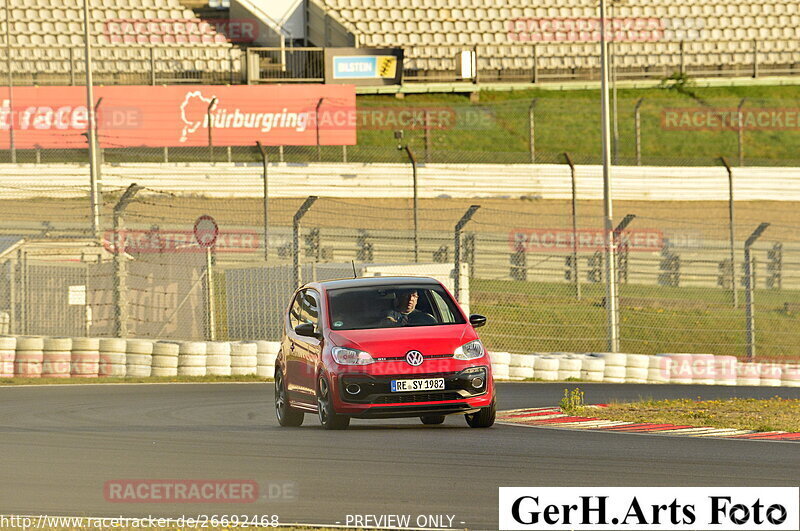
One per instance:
(416,397)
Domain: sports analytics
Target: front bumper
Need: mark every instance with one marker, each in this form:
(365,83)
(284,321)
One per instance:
(375,399)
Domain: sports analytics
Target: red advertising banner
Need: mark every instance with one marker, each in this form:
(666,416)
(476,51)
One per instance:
(132,116)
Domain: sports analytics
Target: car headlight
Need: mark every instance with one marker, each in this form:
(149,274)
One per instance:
(470,351)
(349,356)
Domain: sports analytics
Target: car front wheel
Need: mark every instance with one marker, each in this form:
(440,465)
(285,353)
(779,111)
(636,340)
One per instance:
(328,417)
(287,415)
(484,418)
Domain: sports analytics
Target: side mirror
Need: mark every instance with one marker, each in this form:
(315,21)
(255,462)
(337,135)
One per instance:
(306,330)
(477,320)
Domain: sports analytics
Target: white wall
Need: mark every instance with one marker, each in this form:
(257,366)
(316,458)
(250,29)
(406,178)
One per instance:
(288,13)
(546,181)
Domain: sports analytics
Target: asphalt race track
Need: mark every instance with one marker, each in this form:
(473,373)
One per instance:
(59,445)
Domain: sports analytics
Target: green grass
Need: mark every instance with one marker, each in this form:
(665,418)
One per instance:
(546,317)
(775,414)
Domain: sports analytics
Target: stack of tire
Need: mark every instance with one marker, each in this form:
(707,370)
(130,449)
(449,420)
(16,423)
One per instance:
(748,374)
(8,346)
(636,368)
(244,358)
(85,359)
(165,359)
(659,369)
(615,366)
(138,358)
(112,357)
(218,358)
(545,368)
(192,358)
(771,374)
(789,378)
(725,370)
(593,368)
(28,357)
(681,368)
(265,360)
(520,366)
(57,357)
(500,365)
(569,366)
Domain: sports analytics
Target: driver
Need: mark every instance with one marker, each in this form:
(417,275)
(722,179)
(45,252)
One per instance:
(405,310)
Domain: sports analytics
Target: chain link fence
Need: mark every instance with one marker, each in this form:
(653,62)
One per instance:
(539,280)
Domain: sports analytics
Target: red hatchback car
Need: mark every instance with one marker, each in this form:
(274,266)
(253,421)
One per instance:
(385,347)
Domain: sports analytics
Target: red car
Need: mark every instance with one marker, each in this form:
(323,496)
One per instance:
(384,347)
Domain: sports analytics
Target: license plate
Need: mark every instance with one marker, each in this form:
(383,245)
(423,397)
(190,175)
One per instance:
(426,384)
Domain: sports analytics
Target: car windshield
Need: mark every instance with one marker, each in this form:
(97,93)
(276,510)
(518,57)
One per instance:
(368,307)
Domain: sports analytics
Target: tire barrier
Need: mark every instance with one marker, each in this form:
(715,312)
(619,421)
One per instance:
(138,358)
(244,358)
(57,357)
(112,357)
(192,358)
(165,358)
(8,346)
(61,357)
(265,358)
(218,358)
(28,357)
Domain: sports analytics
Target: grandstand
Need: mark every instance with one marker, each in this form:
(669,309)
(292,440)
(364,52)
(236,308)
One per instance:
(134,41)
(512,38)
(174,41)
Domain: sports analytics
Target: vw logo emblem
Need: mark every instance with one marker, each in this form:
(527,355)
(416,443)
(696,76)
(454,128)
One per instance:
(414,358)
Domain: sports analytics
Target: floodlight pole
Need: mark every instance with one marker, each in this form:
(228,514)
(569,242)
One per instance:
(574,227)
(316,120)
(749,283)
(532,130)
(120,262)
(90,136)
(210,119)
(265,178)
(457,249)
(310,200)
(740,131)
(637,125)
(413,161)
(611,254)
(731,231)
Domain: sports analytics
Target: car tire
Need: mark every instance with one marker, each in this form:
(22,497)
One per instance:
(484,418)
(288,416)
(431,420)
(328,417)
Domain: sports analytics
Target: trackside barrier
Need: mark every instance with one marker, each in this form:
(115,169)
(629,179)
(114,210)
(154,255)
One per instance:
(697,369)
(59,357)
(63,357)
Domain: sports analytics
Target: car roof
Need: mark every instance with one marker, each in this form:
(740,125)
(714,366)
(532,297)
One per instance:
(375,281)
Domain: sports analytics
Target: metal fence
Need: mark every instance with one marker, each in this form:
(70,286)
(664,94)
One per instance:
(540,282)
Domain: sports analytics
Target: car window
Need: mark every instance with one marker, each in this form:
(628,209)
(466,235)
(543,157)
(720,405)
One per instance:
(309,308)
(294,311)
(368,307)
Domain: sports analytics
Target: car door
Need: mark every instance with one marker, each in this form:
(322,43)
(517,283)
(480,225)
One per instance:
(293,349)
(306,350)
